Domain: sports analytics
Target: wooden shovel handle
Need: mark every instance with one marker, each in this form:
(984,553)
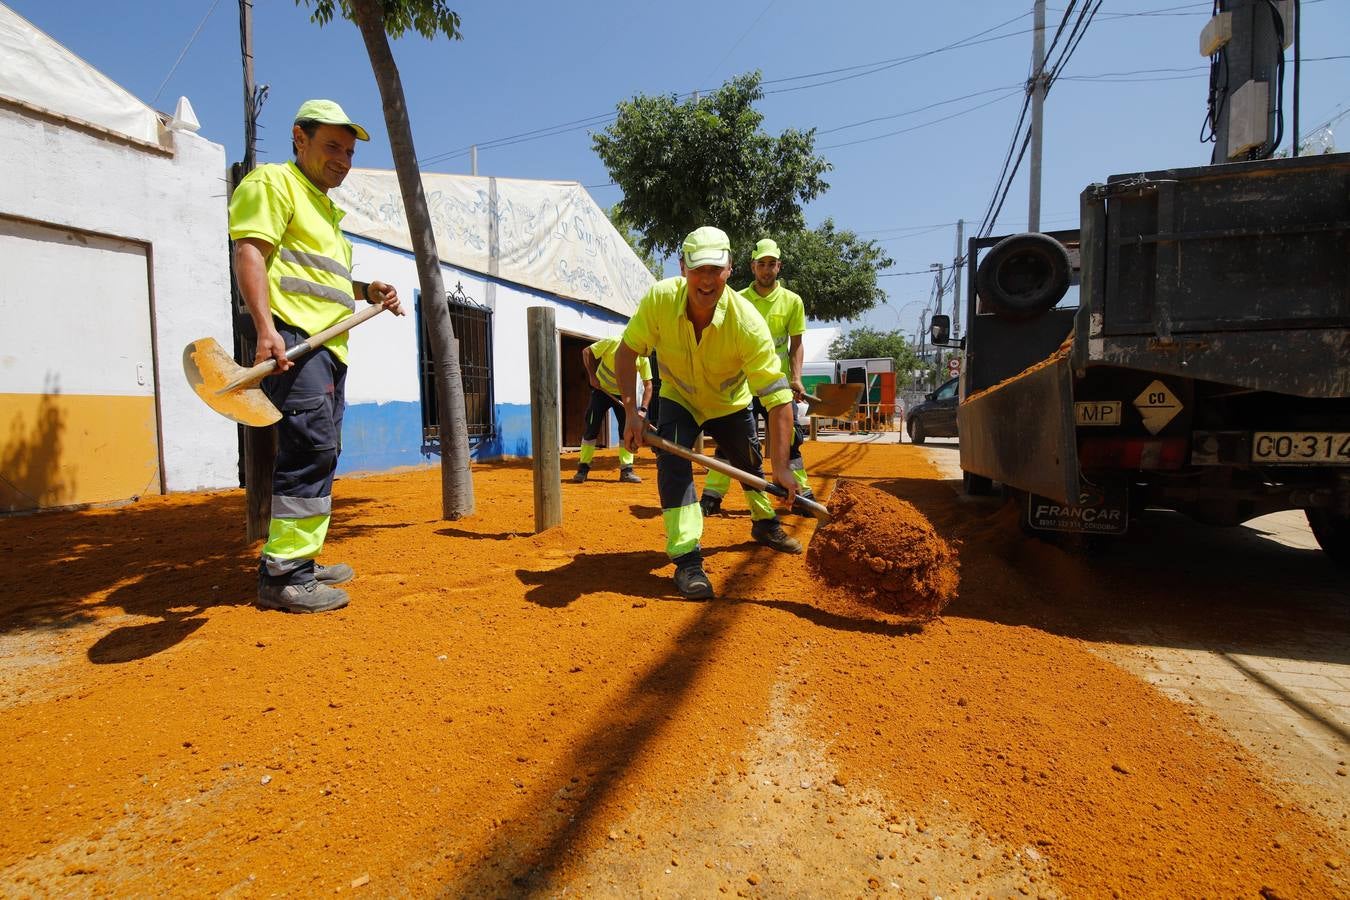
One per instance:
(254,374)
(754,481)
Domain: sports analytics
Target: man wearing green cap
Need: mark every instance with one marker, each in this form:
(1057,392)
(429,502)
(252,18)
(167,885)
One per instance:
(293,265)
(786,317)
(716,353)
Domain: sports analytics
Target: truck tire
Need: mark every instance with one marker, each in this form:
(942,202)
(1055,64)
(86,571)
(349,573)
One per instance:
(916,432)
(1023,276)
(1332,533)
(976,485)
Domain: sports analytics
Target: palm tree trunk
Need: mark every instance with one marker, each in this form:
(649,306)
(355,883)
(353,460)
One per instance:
(457,498)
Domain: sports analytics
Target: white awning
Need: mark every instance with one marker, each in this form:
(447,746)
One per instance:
(549,235)
(38,72)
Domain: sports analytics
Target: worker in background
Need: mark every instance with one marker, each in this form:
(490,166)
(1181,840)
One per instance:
(786,317)
(716,353)
(599,361)
(293,265)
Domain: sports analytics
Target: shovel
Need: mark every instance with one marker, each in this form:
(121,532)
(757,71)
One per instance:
(232,390)
(832,401)
(799,502)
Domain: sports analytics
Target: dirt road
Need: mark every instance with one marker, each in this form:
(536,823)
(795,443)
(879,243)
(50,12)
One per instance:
(501,713)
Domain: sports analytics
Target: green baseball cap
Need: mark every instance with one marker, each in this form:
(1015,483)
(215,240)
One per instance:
(707,246)
(767,247)
(326,112)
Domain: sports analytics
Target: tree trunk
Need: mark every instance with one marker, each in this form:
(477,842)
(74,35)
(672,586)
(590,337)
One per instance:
(457,498)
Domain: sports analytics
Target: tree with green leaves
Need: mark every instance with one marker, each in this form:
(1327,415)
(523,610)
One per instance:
(834,272)
(868,343)
(378,20)
(625,228)
(706,161)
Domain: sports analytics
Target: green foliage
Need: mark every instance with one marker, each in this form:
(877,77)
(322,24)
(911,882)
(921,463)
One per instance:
(625,228)
(426,17)
(834,271)
(707,162)
(868,343)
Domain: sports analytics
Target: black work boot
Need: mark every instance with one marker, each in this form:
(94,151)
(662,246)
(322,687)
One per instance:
(770,533)
(690,579)
(582,471)
(710,504)
(628,476)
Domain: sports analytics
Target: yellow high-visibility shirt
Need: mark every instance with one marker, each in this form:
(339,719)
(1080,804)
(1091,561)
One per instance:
(714,376)
(309,273)
(604,350)
(785,313)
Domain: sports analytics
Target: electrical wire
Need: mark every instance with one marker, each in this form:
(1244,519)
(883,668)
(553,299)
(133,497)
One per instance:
(954,115)
(183,53)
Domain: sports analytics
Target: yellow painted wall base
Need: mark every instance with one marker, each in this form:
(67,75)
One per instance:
(66,449)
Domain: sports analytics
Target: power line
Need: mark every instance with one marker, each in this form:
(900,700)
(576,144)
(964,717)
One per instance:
(174,68)
(918,109)
(954,115)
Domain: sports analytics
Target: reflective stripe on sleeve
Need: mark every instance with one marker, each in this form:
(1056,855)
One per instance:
(779,385)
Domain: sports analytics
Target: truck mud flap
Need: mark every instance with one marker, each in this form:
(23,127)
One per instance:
(1099,510)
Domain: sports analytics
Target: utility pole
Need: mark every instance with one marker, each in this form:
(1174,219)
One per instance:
(958,266)
(1243,110)
(937,348)
(1037,88)
(473,160)
(258,446)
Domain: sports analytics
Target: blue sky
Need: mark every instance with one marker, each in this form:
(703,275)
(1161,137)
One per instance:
(526,66)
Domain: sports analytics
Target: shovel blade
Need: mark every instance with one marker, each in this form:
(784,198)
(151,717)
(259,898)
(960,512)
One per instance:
(209,368)
(832,401)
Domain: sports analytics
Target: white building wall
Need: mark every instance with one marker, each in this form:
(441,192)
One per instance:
(63,175)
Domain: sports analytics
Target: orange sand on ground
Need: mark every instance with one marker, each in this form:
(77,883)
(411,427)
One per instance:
(885,552)
(496,707)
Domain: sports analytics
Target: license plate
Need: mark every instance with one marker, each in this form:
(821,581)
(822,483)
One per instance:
(1301,448)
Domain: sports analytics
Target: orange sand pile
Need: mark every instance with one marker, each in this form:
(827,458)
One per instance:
(886,552)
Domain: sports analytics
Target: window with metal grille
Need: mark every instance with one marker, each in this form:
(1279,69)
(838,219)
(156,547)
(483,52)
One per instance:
(472,323)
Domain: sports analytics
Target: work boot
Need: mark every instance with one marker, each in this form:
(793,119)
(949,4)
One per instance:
(710,505)
(582,471)
(770,533)
(628,476)
(692,582)
(338,573)
(310,597)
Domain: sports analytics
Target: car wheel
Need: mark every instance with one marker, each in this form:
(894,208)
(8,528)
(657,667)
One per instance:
(916,432)
(1023,276)
(1332,533)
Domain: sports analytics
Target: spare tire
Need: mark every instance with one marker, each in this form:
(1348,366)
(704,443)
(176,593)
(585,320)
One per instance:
(1023,276)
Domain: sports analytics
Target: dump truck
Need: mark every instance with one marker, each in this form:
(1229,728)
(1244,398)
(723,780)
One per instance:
(1187,348)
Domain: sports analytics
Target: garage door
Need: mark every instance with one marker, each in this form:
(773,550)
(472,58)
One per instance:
(78,421)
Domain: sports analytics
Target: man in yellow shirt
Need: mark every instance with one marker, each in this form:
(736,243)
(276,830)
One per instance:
(293,265)
(785,315)
(715,353)
(599,361)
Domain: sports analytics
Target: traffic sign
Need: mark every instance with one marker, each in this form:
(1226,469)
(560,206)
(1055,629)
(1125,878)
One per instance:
(954,366)
(1157,406)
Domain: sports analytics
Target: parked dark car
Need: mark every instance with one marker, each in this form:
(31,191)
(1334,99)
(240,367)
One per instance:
(936,415)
